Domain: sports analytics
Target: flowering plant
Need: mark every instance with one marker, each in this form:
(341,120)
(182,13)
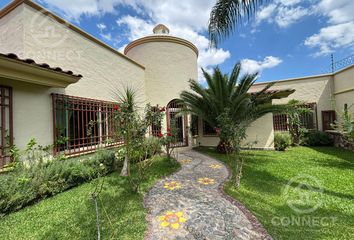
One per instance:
(168,139)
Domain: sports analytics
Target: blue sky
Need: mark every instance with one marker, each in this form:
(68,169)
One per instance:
(286,38)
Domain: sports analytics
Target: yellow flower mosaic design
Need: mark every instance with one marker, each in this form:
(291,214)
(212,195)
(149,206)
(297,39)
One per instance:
(215,166)
(172,185)
(172,219)
(186,161)
(206,181)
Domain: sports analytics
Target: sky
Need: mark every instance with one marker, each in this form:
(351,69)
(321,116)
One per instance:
(285,38)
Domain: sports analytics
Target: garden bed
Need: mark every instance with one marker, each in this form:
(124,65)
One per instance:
(71,214)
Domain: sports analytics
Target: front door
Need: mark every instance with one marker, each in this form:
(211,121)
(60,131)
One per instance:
(328,118)
(178,124)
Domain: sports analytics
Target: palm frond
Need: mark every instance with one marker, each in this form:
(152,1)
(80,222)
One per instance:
(225,16)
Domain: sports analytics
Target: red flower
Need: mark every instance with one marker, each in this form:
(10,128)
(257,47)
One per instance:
(116,107)
(160,135)
(168,130)
(169,134)
(218,130)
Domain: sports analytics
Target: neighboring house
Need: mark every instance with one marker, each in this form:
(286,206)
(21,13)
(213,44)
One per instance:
(57,106)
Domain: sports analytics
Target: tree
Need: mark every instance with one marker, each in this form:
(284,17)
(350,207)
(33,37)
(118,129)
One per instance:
(231,92)
(132,126)
(226,14)
(294,112)
(227,105)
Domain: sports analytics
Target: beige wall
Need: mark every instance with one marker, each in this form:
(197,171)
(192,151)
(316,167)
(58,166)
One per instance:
(11,32)
(344,88)
(105,72)
(169,67)
(317,89)
(259,135)
(32,115)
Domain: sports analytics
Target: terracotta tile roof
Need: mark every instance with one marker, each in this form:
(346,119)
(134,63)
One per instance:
(42,65)
(277,94)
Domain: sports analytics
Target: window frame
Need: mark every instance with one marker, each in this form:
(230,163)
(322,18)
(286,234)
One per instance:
(6,158)
(85,109)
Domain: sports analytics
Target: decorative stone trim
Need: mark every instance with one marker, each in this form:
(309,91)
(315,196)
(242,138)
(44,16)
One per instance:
(161,38)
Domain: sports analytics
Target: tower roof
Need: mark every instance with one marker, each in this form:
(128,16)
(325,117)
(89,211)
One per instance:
(161,29)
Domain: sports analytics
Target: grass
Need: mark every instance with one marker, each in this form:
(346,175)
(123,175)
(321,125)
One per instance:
(71,215)
(263,191)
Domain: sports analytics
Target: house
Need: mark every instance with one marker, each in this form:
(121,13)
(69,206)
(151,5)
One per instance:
(56,80)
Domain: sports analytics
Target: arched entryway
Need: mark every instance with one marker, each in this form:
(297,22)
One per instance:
(178,123)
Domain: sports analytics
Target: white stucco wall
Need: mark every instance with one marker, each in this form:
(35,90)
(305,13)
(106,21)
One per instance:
(259,135)
(11,32)
(311,90)
(344,88)
(104,72)
(34,35)
(169,67)
(32,115)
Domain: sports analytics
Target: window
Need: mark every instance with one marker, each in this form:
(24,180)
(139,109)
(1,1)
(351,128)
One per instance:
(208,130)
(328,118)
(81,124)
(308,120)
(6,128)
(280,122)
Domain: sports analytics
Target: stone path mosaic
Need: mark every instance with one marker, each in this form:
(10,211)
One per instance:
(191,205)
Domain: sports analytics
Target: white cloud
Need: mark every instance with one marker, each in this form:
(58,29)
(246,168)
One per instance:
(101,26)
(186,19)
(289,15)
(137,27)
(330,38)
(289,2)
(338,11)
(265,13)
(253,66)
(282,12)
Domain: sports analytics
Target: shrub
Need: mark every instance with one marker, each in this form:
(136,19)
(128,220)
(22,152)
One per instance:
(282,141)
(26,185)
(316,138)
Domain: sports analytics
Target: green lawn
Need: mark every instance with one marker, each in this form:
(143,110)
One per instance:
(264,191)
(71,215)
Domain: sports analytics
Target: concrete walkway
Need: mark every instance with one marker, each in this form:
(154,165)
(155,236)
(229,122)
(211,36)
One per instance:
(191,205)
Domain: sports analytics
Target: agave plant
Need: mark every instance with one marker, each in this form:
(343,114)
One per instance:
(229,94)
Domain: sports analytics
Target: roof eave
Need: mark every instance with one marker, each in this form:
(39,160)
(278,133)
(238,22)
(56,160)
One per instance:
(20,71)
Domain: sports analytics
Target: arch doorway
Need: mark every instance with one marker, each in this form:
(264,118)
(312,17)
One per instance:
(179,124)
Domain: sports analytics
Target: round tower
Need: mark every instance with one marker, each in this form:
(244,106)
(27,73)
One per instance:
(170,62)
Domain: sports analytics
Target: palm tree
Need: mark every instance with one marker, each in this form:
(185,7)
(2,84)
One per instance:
(226,103)
(224,92)
(226,14)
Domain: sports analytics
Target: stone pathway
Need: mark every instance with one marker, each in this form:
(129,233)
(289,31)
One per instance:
(191,205)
